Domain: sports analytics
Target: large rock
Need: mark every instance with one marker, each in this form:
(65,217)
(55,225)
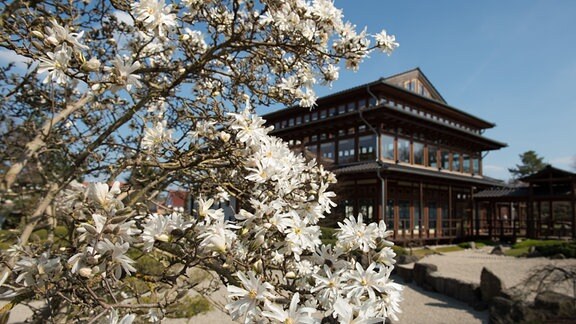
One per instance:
(497,250)
(421,272)
(461,290)
(490,285)
(555,303)
(405,259)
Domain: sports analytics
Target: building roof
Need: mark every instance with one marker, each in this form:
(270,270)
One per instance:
(421,76)
(383,84)
(549,173)
(398,168)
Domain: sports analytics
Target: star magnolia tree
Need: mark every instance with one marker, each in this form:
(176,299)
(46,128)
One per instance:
(162,94)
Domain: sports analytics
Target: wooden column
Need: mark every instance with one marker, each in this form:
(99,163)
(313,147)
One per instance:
(421,213)
(573,203)
(450,208)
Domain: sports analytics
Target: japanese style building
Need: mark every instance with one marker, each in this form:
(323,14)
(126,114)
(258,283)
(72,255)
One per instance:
(400,153)
(542,205)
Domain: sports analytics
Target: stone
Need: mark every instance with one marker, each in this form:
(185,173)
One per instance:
(497,250)
(558,256)
(472,245)
(555,303)
(490,285)
(421,272)
(406,259)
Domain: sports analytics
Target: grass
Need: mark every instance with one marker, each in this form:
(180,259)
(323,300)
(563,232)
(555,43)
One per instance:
(523,247)
(327,237)
(189,307)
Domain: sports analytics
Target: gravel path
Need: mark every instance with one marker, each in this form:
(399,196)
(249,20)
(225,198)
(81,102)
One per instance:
(467,265)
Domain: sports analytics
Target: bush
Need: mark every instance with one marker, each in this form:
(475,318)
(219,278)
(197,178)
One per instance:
(568,249)
(328,235)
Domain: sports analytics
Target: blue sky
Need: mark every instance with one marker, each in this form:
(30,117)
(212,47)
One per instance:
(510,62)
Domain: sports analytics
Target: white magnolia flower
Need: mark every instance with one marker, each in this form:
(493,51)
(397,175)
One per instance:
(356,234)
(387,43)
(155,229)
(103,195)
(122,74)
(294,314)
(155,137)
(113,318)
(249,299)
(58,35)
(36,271)
(155,15)
(56,64)
(328,286)
(117,254)
(361,282)
(205,210)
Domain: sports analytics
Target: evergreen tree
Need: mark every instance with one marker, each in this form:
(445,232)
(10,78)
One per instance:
(531,163)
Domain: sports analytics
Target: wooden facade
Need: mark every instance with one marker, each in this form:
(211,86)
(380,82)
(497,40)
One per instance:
(543,205)
(400,153)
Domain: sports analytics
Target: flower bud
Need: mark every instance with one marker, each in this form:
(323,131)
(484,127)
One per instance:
(37,34)
(91,65)
(85,272)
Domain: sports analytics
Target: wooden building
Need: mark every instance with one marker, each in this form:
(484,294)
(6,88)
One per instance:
(542,205)
(400,153)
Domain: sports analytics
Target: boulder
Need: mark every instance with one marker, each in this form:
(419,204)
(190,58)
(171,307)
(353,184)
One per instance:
(555,303)
(497,250)
(405,259)
(490,285)
(421,272)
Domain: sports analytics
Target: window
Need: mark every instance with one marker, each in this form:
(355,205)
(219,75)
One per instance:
(410,85)
(403,150)
(390,214)
(341,109)
(306,118)
(366,208)
(404,214)
(432,216)
(291,122)
(315,115)
(332,112)
(445,160)
(351,106)
(314,138)
(341,132)
(327,151)
(387,146)
(466,163)
(476,165)
(432,156)
(367,148)
(362,103)
(346,150)
(310,151)
(323,114)
(372,102)
(455,162)
(418,153)
(277,125)
(298,120)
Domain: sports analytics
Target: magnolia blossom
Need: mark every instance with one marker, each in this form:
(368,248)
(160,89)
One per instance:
(155,137)
(56,64)
(250,298)
(294,314)
(122,75)
(155,15)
